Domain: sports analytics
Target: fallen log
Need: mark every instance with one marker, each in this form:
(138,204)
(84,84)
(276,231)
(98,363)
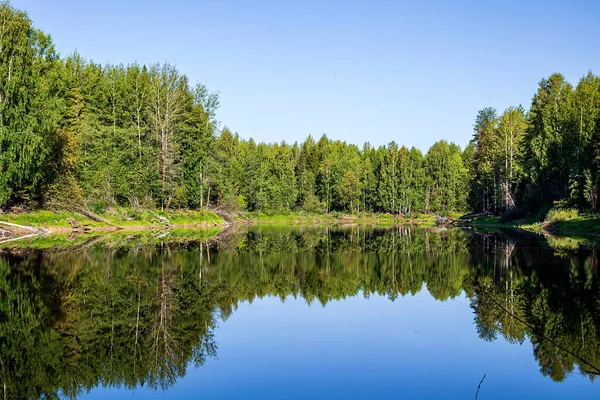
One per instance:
(76,226)
(5,234)
(11,232)
(91,215)
(443,222)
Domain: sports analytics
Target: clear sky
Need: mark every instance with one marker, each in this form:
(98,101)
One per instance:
(410,71)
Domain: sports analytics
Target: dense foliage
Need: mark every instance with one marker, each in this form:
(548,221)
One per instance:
(73,131)
(550,154)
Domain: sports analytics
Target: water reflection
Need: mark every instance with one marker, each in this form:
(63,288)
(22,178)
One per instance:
(131,312)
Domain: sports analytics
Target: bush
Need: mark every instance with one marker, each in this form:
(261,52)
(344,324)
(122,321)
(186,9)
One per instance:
(313,205)
(98,206)
(542,213)
(562,214)
(148,203)
(443,213)
(134,214)
(233,204)
(512,214)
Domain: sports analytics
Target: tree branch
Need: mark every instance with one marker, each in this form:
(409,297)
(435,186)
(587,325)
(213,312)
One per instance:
(479,387)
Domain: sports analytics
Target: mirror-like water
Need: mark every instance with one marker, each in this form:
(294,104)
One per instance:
(302,313)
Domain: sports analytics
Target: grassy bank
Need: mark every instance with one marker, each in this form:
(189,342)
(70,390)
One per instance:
(128,219)
(129,226)
(557,223)
(334,218)
(131,218)
(120,239)
(114,218)
(580,226)
(560,222)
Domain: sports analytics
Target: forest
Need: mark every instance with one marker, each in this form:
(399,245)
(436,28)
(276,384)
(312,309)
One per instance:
(76,132)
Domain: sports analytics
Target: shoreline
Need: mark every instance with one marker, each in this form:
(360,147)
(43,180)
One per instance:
(46,223)
(578,228)
(15,226)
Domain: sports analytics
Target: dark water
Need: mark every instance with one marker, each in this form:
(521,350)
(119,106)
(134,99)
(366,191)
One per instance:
(311,313)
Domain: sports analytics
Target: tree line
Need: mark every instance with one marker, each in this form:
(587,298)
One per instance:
(547,155)
(76,132)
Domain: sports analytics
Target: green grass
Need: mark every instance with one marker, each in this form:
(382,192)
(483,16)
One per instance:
(569,222)
(488,222)
(54,242)
(526,222)
(333,218)
(564,222)
(483,220)
(587,226)
(560,215)
(121,239)
(123,217)
(43,218)
(128,217)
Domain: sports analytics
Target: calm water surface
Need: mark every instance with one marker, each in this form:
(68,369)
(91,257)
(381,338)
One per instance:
(301,313)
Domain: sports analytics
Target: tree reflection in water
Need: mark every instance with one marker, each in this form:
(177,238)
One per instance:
(132,314)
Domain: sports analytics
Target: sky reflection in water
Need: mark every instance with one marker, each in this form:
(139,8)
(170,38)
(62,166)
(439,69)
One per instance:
(358,348)
(366,314)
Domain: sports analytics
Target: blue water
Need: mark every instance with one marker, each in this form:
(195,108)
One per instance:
(358,348)
(280,313)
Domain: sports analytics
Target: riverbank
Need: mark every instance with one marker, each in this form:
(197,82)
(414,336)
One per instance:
(124,219)
(61,241)
(43,229)
(127,219)
(111,220)
(334,218)
(580,226)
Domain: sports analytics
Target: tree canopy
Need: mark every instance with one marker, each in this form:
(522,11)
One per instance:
(74,131)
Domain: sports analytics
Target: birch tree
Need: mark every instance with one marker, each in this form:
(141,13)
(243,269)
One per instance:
(167,96)
(511,129)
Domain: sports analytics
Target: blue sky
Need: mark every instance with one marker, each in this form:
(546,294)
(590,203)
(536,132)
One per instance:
(409,71)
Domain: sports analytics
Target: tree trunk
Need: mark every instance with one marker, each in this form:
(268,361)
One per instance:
(208,197)
(201,189)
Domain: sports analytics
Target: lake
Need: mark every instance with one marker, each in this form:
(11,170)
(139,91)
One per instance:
(315,312)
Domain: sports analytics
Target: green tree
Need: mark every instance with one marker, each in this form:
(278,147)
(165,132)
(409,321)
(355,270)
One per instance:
(585,152)
(547,139)
(30,108)
(349,191)
(167,98)
(482,194)
(389,179)
(196,136)
(508,166)
(225,167)
(445,178)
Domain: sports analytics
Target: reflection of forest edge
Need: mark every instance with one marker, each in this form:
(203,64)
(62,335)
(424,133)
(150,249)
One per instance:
(130,315)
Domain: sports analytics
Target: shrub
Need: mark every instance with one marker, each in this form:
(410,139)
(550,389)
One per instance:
(134,214)
(542,213)
(313,205)
(512,214)
(562,214)
(148,203)
(98,206)
(233,204)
